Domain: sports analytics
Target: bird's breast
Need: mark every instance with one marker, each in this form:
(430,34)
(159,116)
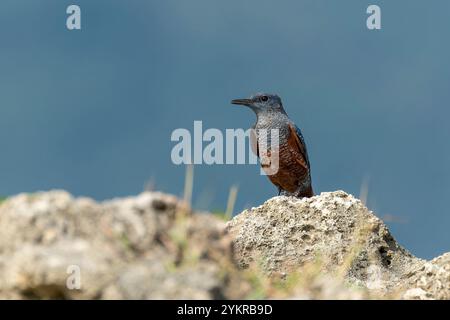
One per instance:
(281,162)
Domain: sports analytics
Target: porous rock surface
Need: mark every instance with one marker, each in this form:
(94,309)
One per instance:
(131,248)
(151,246)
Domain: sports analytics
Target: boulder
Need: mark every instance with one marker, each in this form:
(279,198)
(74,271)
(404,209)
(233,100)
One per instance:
(284,234)
(55,246)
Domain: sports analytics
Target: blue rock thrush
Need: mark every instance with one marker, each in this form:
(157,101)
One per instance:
(293,177)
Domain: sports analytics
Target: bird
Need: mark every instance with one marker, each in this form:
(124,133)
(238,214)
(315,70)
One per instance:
(293,174)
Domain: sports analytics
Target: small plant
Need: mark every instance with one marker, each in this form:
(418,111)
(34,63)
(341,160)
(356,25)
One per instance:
(231,202)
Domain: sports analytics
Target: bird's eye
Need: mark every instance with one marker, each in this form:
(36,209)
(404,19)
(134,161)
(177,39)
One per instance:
(264,98)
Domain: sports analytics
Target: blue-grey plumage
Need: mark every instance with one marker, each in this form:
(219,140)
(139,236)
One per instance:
(293,177)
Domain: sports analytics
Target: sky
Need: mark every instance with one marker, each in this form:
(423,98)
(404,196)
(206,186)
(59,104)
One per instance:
(92,111)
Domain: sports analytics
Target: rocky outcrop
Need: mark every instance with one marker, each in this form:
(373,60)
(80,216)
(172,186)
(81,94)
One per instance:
(285,233)
(144,247)
(152,246)
(431,280)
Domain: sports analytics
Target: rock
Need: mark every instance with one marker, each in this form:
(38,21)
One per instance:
(415,294)
(151,246)
(42,271)
(143,247)
(285,233)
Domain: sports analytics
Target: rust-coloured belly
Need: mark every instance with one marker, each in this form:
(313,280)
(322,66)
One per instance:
(290,174)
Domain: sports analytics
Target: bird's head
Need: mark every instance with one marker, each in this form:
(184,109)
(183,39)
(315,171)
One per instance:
(261,102)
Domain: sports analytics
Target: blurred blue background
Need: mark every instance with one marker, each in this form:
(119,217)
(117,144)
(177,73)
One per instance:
(92,111)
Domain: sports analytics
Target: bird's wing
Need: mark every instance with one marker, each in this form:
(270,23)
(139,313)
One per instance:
(297,142)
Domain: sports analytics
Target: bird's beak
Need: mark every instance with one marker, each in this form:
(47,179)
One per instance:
(243,102)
